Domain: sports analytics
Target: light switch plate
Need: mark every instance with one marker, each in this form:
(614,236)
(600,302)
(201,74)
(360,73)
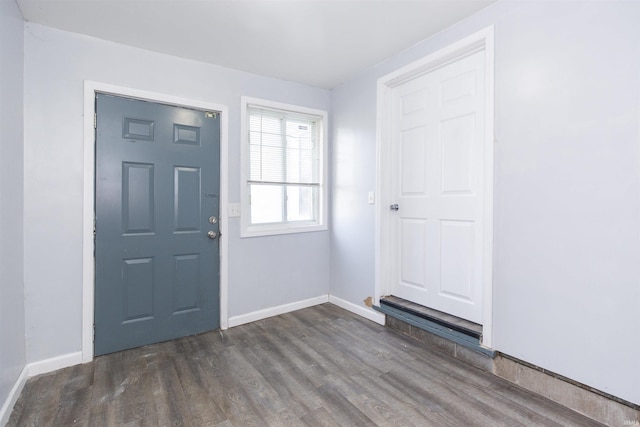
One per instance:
(371,198)
(234,210)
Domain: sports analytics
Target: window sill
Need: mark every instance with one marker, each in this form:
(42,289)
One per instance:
(275,230)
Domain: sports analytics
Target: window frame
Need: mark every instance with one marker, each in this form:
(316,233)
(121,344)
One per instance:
(257,230)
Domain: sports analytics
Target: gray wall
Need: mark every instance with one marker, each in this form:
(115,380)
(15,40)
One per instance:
(263,272)
(567,185)
(12,329)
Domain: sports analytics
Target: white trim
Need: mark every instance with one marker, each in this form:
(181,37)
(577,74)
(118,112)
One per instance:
(31,370)
(275,311)
(88,262)
(12,398)
(54,363)
(482,40)
(248,230)
(487,297)
(366,312)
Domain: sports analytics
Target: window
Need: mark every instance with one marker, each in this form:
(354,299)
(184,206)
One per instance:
(283,168)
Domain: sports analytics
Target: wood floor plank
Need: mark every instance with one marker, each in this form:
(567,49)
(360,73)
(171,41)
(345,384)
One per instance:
(413,411)
(74,397)
(451,397)
(285,418)
(343,411)
(204,410)
(355,350)
(485,389)
(368,403)
(172,406)
(288,380)
(321,366)
(106,391)
(245,395)
(319,418)
(39,410)
(135,406)
(310,364)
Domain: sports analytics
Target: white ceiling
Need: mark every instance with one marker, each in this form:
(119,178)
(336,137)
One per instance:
(316,42)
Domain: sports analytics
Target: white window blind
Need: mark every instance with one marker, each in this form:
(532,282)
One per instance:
(284,149)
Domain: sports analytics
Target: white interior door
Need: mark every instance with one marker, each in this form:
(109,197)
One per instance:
(438,182)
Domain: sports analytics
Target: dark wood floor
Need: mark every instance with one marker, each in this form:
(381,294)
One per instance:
(321,366)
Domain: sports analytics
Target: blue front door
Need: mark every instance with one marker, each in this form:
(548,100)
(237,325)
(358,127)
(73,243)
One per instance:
(157,204)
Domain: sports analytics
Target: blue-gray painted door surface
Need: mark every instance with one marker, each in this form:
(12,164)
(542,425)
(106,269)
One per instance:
(157,197)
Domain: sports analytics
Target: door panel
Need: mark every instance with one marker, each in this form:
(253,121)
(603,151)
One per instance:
(456,259)
(413,252)
(138,288)
(437,179)
(138,204)
(413,150)
(187,199)
(157,184)
(457,146)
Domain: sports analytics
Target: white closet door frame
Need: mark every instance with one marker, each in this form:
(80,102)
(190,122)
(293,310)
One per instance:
(482,40)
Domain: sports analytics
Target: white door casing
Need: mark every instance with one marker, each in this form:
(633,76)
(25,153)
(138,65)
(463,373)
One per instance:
(88,261)
(435,160)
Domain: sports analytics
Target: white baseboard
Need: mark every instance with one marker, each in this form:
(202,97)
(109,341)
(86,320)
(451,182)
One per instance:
(275,311)
(364,311)
(32,369)
(7,407)
(55,363)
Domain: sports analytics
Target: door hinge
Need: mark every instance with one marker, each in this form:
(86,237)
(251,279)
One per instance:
(94,229)
(95,120)
(94,333)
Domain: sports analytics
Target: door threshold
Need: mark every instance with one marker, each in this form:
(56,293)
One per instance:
(456,323)
(460,331)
